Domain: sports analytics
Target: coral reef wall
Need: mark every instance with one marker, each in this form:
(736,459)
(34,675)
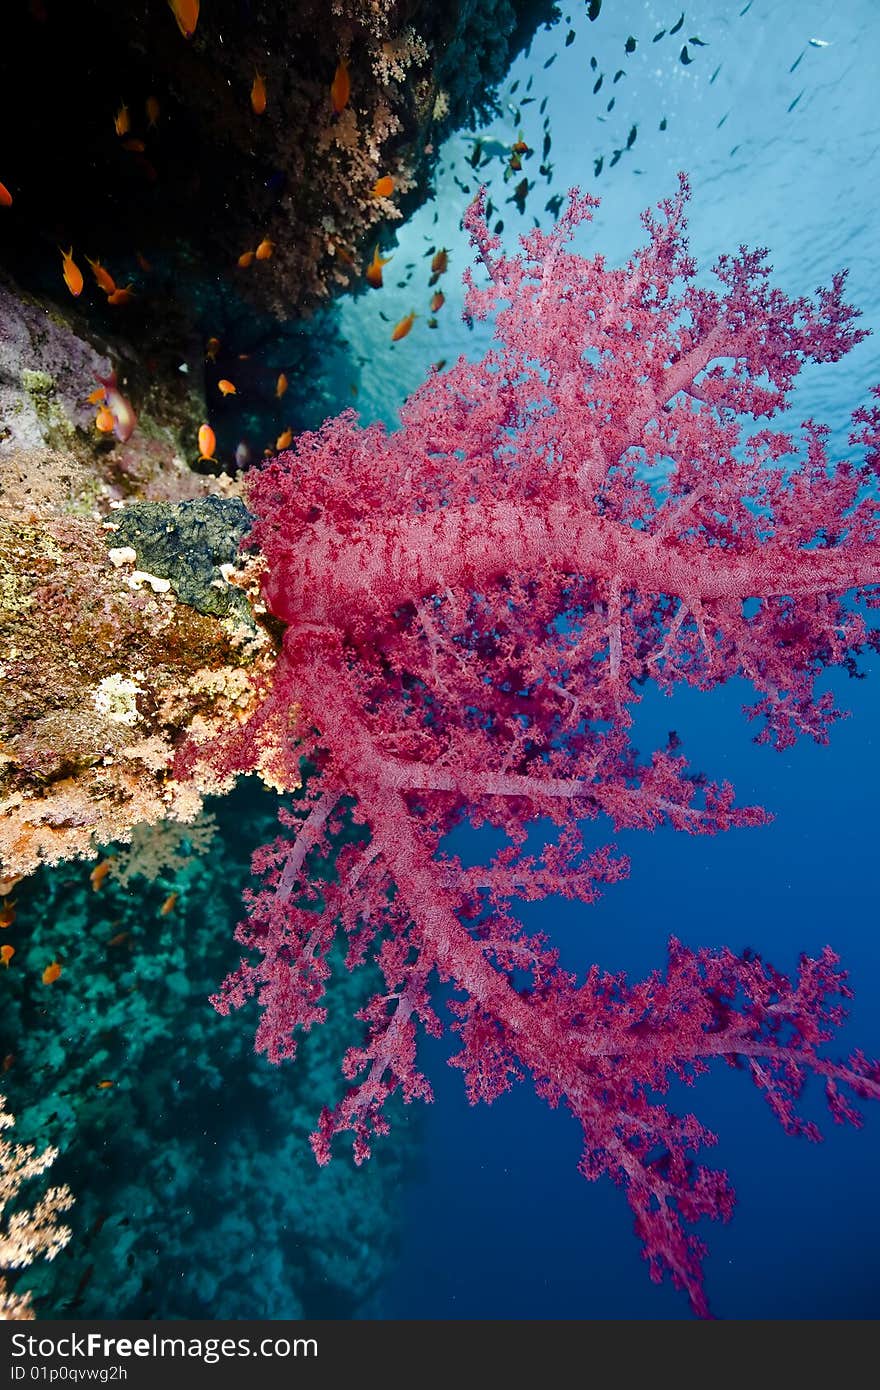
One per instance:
(200,172)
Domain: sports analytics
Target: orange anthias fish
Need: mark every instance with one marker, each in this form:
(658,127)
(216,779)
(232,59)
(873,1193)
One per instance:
(374,269)
(186,12)
(104,421)
(284,440)
(401,329)
(122,120)
(99,873)
(7,914)
(151,106)
(340,89)
(124,418)
(280,385)
(51,973)
(5,196)
(212,347)
(135,146)
(121,296)
(6,954)
(168,905)
(245,259)
(118,939)
(265,249)
(226,388)
(103,279)
(207,444)
(72,274)
(105,1085)
(384,187)
(437,301)
(258,95)
(440,261)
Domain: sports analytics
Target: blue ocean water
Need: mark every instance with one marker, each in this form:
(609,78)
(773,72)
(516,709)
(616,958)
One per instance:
(774,118)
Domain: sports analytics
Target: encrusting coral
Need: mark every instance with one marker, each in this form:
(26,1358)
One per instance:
(103,666)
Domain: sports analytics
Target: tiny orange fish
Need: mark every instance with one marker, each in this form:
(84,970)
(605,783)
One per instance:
(440,261)
(51,973)
(207,444)
(437,301)
(72,274)
(384,187)
(401,329)
(96,396)
(340,89)
(105,1085)
(121,296)
(103,279)
(168,905)
(134,146)
(5,196)
(374,269)
(265,249)
(122,121)
(280,385)
(6,954)
(99,873)
(118,939)
(226,388)
(9,1061)
(151,106)
(258,95)
(7,913)
(245,259)
(186,12)
(124,418)
(7,884)
(212,347)
(104,421)
(284,440)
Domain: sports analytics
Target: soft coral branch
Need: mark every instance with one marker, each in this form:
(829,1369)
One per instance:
(473,604)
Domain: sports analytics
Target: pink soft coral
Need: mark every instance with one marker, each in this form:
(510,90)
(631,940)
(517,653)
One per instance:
(472,604)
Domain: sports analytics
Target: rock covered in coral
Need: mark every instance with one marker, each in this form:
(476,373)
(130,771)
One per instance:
(103,668)
(52,362)
(192,545)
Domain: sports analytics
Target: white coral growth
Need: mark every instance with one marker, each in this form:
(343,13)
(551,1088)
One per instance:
(31,1231)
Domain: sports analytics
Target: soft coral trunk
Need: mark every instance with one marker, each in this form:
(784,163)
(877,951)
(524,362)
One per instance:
(472,605)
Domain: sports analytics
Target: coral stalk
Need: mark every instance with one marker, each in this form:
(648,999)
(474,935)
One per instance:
(473,604)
